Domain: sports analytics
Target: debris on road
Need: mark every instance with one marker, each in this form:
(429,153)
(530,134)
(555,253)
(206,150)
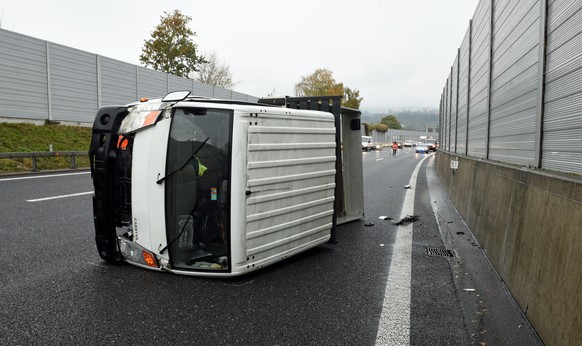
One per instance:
(405,220)
(368,224)
(385,218)
(407,186)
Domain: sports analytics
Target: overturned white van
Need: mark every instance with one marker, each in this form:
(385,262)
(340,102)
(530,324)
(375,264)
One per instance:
(210,187)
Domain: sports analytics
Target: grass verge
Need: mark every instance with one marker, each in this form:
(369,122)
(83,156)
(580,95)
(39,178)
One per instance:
(29,138)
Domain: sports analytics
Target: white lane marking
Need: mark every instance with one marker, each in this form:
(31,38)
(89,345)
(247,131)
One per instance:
(61,196)
(394,325)
(380,159)
(43,176)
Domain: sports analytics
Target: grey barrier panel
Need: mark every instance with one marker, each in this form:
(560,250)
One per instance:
(152,84)
(454,105)
(178,83)
(221,93)
(514,81)
(24,76)
(463,93)
(562,119)
(397,135)
(239,96)
(118,82)
(452,93)
(47,81)
(73,84)
(478,86)
(524,91)
(203,90)
(446,112)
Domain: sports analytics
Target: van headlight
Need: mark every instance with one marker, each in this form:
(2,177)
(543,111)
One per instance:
(132,252)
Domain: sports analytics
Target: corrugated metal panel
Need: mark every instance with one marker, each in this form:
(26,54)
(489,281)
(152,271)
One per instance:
(118,82)
(514,81)
(74,88)
(179,83)
(204,90)
(454,106)
(252,98)
(445,117)
(562,125)
(463,94)
(73,77)
(221,93)
(478,98)
(239,96)
(152,84)
(291,174)
(24,78)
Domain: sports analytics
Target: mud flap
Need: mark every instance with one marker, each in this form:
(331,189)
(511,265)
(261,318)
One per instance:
(103,156)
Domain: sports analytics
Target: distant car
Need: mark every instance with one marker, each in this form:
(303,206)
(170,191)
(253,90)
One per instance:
(376,146)
(367,143)
(432,144)
(422,148)
(408,144)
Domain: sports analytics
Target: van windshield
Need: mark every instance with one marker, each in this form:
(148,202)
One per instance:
(197,197)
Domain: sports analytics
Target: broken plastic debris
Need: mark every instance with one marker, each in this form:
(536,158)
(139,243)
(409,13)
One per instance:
(385,218)
(381,244)
(368,224)
(406,219)
(469,289)
(407,186)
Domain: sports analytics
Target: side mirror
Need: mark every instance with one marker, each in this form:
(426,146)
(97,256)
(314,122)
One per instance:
(176,96)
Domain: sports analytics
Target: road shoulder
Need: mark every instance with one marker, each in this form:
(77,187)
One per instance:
(491,315)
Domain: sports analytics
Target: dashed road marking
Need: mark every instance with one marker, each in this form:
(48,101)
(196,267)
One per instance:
(43,176)
(61,196)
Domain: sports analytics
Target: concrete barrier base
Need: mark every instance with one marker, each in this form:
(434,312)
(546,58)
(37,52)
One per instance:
(530,225)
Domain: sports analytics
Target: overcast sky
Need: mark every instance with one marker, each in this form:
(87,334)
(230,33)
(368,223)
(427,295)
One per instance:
(398,53)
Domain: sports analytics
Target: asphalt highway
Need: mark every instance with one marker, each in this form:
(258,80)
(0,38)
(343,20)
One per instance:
(379,284)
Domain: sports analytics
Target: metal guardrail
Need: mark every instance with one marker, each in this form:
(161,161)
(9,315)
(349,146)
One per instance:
(34,155)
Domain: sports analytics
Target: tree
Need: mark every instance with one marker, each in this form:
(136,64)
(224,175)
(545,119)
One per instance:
(319,83)
(391,121)
(171,48)
(322,83)
(351,98)
(213,72)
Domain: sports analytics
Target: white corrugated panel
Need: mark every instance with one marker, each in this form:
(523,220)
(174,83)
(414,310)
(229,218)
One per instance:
(118,82)
(24,78)
(514,81)
(478,97)
(291,174)
(562,125)
(73,76)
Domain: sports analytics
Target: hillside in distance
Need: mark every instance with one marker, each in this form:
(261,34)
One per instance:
(409,119)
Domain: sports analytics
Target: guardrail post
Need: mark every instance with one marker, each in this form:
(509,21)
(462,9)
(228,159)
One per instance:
(34,163)
(73,163)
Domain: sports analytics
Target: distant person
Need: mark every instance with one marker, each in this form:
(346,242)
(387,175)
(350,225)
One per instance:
(394,148)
